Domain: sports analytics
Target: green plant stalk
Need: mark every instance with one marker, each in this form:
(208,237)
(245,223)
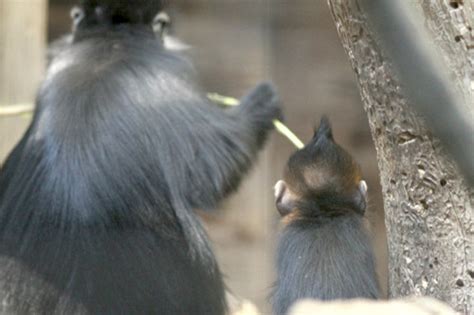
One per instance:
(20,109)
(279,126)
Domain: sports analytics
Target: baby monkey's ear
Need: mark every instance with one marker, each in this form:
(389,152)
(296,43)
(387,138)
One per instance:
(363,188)
(360,197)
(285,200)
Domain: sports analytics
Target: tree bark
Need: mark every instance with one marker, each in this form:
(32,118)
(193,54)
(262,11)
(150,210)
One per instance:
(451,23)
(428,205)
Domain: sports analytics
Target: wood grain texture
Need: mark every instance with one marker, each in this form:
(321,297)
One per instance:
(451,25)
(428,206)
(22,57)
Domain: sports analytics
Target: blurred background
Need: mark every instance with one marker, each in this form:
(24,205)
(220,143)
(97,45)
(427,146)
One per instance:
(234,45)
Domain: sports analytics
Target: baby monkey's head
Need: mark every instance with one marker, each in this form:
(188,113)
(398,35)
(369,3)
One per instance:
(321,180)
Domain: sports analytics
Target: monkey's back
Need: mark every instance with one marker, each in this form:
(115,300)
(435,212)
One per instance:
(88,216)
(324,259)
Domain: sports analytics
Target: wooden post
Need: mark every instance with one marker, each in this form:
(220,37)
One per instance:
(22,60)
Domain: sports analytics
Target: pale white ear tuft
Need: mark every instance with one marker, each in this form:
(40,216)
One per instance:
(363,188)
(174,44)
(279,188)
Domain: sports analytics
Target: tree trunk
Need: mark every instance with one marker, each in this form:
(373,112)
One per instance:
(428,205)
(451,23)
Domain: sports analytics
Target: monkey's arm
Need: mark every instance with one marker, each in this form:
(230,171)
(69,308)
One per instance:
(223,144)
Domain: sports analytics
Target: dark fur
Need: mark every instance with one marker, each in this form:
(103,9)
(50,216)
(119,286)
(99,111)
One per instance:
(324,251)
(97,199)
(120,11)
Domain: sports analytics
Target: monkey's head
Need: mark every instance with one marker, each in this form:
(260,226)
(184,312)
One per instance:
(119,11)
(92,17)
(321,179)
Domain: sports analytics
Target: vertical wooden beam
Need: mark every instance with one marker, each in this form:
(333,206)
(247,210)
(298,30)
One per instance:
(22,60)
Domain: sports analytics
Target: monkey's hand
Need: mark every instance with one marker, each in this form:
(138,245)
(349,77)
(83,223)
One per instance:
(262,105)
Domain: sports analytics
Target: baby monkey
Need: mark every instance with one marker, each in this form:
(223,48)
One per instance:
(324,251)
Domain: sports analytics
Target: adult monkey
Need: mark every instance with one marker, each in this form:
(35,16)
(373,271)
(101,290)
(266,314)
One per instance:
(97,199)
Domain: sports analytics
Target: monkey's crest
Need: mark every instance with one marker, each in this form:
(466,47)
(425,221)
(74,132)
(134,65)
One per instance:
(321,176)
(324,129)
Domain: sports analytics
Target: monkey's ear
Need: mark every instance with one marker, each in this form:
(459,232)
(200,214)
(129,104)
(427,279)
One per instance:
(285,200)
(360,197)
(324,130)
(77,15)
(363,188)
(161,24)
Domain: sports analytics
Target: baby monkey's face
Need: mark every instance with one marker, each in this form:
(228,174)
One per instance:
(321,175)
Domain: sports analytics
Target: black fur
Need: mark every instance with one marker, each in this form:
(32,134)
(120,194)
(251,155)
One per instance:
(97,199)
(324,251)
(120,11)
